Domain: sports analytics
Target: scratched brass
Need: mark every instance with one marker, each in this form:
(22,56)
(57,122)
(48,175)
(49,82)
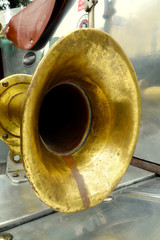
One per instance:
(95,63)
(12,94)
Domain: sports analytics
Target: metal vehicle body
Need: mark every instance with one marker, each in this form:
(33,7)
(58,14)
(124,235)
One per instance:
(132,211)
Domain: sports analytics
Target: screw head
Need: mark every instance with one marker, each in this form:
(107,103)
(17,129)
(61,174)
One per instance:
(108,199)
(15,175)
(5,84)
(16,157)
(5,136)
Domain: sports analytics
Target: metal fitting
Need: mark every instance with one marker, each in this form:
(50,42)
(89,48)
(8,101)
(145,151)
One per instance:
(5,84)
(89,4)
(15,175)
(108,199)
(5,136)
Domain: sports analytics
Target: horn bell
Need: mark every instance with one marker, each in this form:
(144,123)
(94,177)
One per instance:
(81,121)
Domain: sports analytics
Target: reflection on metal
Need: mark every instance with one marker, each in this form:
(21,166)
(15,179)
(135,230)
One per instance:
(18,204)
(134,175)
(139,37)
(28,207)
(128,216)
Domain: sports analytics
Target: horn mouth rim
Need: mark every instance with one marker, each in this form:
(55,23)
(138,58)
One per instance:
(122,99)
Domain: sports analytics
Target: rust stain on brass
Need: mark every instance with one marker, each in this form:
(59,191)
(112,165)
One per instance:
(71,163)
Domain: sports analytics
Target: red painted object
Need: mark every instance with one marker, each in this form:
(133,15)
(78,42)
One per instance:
(81,5)
(27,27)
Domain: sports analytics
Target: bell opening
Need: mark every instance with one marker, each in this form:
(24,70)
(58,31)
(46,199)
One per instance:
(65,118)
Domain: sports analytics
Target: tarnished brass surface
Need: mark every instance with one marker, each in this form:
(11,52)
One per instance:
(1,28)
(12,94)
(95,63)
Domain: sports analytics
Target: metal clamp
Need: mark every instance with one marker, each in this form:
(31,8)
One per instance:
(15,171)
(89,4)
(89,7)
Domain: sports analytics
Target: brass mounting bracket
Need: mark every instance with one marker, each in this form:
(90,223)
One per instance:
(12,95)
(15,171)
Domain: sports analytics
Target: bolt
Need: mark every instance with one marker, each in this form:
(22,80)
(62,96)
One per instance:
(5,84)
(16,158)
(108,199)
(31,41)
(15,175)
(5,136)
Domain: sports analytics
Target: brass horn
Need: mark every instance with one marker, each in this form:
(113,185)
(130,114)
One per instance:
(80,120)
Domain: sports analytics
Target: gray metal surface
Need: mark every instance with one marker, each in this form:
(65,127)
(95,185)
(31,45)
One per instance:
(15,171)
(3,152)
(17,177)
(126,217)
(135,25)
(134,175)
(18,203)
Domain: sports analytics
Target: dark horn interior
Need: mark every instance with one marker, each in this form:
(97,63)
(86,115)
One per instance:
(64,118)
